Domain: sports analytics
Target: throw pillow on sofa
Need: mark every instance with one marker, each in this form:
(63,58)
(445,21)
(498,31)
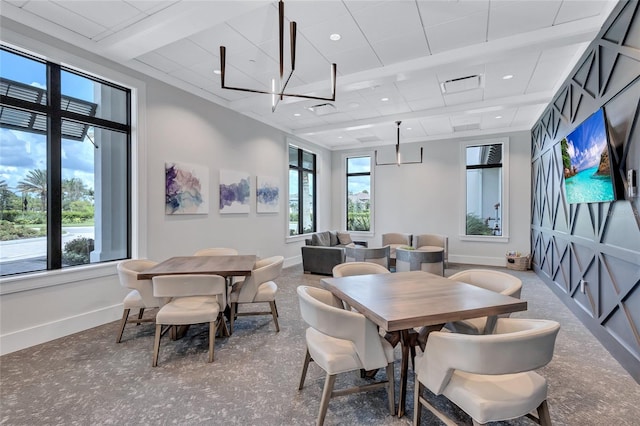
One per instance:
(321,239)
(344,238)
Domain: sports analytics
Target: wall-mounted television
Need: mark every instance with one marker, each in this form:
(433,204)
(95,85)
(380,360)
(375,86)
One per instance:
(587,162)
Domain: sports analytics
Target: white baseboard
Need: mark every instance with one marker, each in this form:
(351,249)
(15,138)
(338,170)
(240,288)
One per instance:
(43,333)
(478,260)
(291,261)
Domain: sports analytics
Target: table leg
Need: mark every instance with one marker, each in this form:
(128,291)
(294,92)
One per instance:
(490,325)
(404,370)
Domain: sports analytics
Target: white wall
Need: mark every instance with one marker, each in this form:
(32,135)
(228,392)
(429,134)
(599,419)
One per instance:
(173,125)
(425,198)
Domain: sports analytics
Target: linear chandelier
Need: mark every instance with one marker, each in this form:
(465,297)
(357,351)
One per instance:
(398,158)
(277,94)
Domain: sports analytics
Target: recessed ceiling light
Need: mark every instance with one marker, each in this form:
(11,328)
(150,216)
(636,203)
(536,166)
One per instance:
(498,116)
(384,99)
(335,37)
(218,72)
(507,77)
(408,128)
(297,114)
(339,137)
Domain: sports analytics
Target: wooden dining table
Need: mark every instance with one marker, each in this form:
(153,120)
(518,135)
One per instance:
(226,266)
(402,301)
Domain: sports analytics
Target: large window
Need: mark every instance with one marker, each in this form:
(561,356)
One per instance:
(64,167)
(302,191)
(359,193)
(484,191)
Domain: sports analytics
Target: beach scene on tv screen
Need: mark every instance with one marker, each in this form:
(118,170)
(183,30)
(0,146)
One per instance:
(587,167)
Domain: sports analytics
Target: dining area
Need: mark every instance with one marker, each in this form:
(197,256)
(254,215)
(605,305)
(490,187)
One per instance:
(254,379)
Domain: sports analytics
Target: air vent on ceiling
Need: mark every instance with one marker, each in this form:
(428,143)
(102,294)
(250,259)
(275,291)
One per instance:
(368,139)
(461,84)
(466,127)
(322,109)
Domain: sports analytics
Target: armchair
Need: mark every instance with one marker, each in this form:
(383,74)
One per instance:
(433,240)
(395,240)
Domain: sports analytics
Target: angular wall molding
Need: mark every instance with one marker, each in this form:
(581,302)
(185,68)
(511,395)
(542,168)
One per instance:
(597,244)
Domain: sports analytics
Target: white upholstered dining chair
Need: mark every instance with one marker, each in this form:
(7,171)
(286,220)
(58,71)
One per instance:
(497,281)
(358,268)
(141,295)
(490,377)
(195,299)
(259,287)
(216,251)
(340,341)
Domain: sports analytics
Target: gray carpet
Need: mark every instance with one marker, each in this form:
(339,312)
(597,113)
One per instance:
(87,379)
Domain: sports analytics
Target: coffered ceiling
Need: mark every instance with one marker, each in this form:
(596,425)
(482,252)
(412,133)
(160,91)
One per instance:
(500,62)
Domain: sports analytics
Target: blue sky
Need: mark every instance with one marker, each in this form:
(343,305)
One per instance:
(586,143)
(23,151)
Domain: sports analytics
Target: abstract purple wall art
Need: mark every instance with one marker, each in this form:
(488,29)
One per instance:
(235,190)
(267,194)
(186,189)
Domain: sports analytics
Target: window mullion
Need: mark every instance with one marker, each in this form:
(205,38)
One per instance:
(54,168)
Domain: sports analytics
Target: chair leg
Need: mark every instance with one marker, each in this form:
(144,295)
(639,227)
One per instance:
(212,338)
(140,315)
(123,322)
(234,307)
(417,405)
(326,395)
(156,345)
(391,386)
(307,359)
(543,414)
(274,313)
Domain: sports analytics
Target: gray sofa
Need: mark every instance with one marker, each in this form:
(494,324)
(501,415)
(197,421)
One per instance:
(324,250)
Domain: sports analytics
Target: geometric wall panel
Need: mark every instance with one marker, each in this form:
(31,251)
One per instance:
(597,242)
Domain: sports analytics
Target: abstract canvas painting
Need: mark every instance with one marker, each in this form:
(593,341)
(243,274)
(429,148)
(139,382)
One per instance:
(235,191)
(186,189)
(267,194)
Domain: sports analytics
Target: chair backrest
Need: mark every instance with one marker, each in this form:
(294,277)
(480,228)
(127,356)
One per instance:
(419,260)
(265,270)
(396,238)
(518,345)
(217,251)
(191,285)
(497,281)
(434,240)
(358,268)
(379,255)
(318,311)
(128,275)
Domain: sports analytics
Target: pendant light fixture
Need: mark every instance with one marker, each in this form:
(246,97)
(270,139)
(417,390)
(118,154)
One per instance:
(278,88)
(398,161)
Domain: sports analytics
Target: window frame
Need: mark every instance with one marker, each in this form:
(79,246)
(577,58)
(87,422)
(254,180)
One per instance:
(345,192)
(137,169)
(504,195)
(346,174)
(300,168)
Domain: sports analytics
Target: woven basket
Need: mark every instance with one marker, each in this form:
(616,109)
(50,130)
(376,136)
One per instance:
(518,263)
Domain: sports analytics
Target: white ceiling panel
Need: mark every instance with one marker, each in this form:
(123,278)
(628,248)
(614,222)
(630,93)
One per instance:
(466,31)
(64,17)
(507,18)
(399,49)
